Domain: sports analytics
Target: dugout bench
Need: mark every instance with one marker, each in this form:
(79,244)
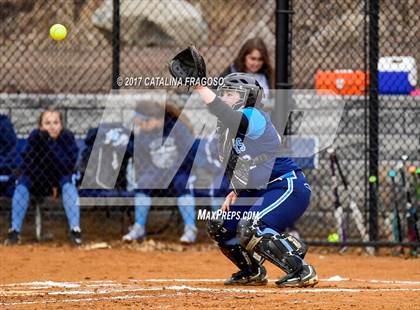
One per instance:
(110,202)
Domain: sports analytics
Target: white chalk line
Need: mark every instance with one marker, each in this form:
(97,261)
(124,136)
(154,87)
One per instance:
(285,291)
(205,289)
(124,297)
(112,283)
(387,281)
(61,284)
(102,283)
(85,292)
(46,284)
(139,289)
(331,279)
(113,287)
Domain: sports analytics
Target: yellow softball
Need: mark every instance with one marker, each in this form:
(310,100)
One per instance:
(58,32)
(333,237)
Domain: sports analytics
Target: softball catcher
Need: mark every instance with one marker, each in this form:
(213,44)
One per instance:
(272,187)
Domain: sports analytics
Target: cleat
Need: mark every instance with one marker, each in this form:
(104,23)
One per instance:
(137,232)
(190,234)
(245,277)
(12,237)
(305,278)
(76,236)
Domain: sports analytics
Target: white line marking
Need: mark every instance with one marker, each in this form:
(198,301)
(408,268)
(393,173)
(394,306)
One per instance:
(46,284)
(219,290)
(72,293)
(55,284)
(331,279)
(387,281)
(288,291)
(96,283)
(226,290)
(104,285)
(111,291)
(124,297)
(179,280)
(339,279)
(88,292)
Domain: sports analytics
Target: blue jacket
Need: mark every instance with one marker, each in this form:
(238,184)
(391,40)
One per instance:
(48,162)
(156,161)
(8,142)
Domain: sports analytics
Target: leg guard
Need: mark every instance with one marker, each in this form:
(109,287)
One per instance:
(240,257)
(218,232)
(281,249)
(235,252)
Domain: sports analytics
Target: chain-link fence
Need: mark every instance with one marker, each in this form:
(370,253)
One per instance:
(149,33)
(334,45)
(399,112)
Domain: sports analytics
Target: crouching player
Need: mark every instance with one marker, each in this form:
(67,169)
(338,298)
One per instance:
(272,187)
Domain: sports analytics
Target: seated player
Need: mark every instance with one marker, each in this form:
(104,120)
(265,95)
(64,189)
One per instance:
(253,59)
(48,163)
(208,157)
(156,161)
(8,155)
(108,146)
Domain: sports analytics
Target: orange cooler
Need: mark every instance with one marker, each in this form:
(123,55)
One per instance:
(341,82)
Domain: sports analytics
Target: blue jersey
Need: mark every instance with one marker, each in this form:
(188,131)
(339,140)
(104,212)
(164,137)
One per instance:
(8,143)
(249,145)
(262,138)
(160,157)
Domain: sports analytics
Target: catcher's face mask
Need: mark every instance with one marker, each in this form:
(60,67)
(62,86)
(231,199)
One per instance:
(233,97)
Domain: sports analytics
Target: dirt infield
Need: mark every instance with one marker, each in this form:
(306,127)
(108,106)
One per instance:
(36,276)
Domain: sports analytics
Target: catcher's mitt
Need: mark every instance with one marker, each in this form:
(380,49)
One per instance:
(188,65)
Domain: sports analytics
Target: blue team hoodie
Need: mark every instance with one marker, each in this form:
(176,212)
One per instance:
(157,161)
(48,162)
(8,142)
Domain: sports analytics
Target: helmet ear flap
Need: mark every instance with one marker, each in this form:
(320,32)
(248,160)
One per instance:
(260,94)
(257,101)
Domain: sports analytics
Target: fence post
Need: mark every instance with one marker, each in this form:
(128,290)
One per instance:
(281,111)
(115,43)
(373,114)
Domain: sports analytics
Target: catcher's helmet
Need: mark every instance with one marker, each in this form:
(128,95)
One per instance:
(244,81)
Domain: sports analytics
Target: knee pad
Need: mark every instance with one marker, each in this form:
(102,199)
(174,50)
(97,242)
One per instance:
(283,250)
(245,231)
(218,232)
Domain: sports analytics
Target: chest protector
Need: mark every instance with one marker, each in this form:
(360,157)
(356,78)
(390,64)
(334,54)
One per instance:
(237,166)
